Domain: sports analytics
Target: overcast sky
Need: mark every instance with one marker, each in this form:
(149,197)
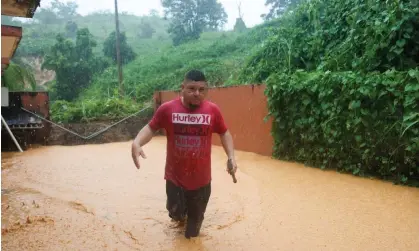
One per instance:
(251,9)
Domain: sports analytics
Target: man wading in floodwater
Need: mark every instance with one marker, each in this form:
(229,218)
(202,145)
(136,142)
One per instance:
(189,122)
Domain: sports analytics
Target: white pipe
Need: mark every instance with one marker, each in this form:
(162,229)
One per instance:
(11,134)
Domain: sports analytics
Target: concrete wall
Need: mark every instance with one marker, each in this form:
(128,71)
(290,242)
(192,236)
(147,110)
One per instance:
(244,108)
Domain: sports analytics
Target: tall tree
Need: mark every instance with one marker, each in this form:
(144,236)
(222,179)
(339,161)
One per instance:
(109,48)
(73,63)
(278,7)
(65,11)
(146,30)
(71,29)
(189,18)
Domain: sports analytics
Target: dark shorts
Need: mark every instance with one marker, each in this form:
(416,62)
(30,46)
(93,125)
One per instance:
(188,203)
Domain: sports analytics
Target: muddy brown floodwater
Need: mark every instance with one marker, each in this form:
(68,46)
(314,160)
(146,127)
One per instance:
(91,197)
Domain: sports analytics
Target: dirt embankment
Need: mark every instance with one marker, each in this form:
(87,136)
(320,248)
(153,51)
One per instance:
(42,76)
(124,131)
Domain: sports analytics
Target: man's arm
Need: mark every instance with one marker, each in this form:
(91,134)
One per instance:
(227,142)
(144,136)
(226,139)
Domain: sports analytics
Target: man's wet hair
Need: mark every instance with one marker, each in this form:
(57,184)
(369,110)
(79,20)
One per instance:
(195,75)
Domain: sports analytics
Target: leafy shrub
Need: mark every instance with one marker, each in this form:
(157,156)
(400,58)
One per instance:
(93,109)
(339,35)
(18,78)
(367,124)
(343,84)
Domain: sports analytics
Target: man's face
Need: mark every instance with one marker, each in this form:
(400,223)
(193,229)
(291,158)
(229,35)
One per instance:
(194,93)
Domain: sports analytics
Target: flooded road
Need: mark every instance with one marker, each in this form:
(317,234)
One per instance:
(92,197)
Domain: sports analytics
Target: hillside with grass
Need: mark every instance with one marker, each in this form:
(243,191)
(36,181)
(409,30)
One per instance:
(144,34)
(221,55)
(40,32)
(51,46)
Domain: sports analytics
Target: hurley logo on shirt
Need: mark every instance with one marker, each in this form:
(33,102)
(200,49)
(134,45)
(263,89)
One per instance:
(196,119)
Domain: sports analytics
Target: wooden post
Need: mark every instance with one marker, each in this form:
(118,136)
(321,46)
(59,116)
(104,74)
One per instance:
(118,52)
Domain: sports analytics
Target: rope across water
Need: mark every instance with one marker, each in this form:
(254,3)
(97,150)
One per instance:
(93,134)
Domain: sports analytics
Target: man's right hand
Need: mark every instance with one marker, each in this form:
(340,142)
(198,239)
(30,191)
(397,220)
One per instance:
(136,152)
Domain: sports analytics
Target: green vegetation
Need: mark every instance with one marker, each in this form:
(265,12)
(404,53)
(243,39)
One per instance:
(126,51)
(343,86)
(150,60)
(18,78)
(95,109)
(79,48)
(220,60)
(40,32)
(342,75)
(73,63)
(366,124)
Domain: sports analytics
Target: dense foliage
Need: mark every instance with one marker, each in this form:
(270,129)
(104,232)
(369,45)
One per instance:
(126,52)
(339,35)
(73,63)
(343,86)
(102,109)
(366,124)
(18,78)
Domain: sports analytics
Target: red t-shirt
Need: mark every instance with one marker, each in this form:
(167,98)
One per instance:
(189,134)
